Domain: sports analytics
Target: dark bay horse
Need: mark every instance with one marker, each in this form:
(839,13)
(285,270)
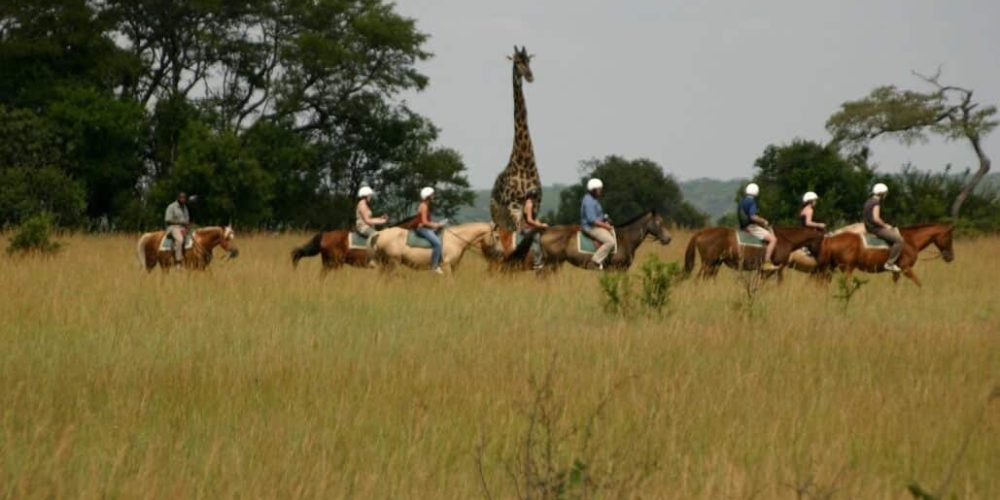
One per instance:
(847,252)
(334,249)
(559,244)
(198,257)
(718,245)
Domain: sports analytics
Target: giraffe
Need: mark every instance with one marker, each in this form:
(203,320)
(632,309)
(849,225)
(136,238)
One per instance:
(521,174)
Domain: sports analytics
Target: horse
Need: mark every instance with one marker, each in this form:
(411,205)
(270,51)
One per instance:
(847,252)
(334,249)
(718,245)
(198,257)
(390,246)
(560,244)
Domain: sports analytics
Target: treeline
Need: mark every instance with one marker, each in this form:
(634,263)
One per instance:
(843,182)
(273,112)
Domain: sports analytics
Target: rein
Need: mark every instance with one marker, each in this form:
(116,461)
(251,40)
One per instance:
(468,243)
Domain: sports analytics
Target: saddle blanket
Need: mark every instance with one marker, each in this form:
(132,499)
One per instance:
(746,239)
(586,245)
(357,241)
(414,240)
(872,241)
(167,243)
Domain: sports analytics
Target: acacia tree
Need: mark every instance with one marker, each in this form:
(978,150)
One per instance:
(909,116)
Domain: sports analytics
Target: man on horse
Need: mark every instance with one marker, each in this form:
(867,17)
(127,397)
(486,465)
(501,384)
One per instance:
(531,227)
(594,223)
(753,223)
(178,221)
(364,223)
(875,225)
(426,228)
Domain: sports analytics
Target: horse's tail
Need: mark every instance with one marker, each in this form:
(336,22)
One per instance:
(310,249)
(690,253)
(140,250)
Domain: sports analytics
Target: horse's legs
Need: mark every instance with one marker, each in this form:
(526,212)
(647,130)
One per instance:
(909,274)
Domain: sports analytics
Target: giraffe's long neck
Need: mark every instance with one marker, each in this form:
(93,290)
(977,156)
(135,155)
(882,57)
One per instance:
(522,139)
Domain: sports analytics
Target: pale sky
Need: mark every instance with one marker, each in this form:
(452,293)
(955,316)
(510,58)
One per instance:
(699,87)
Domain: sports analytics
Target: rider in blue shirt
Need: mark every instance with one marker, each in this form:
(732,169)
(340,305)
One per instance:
(595,223)
(753,223)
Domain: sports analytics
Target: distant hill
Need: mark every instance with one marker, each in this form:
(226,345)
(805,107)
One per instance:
(480,211)
(711,196)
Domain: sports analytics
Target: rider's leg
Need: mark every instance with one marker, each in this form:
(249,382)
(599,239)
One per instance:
(772,243)
(607,244)
(177,234)
(435,242)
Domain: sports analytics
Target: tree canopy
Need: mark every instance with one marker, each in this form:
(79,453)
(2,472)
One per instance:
(274,112)
(630,188)
(910,116)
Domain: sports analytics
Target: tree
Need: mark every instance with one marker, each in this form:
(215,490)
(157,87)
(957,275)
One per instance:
(441,168)
(909,116)
(786,172)
(630,188)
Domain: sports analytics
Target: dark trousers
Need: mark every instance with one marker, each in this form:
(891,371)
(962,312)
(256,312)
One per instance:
(893,237)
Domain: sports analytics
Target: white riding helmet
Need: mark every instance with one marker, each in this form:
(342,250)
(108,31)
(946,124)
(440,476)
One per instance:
(426,192)
(594,183)
(752,189)
(365,191)
(880,188)
(810,196)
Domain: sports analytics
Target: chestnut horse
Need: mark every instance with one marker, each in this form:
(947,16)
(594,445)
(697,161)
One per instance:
(391,247)
(198,257)
(334,249)
(846,251)
(560,244)
(718,245)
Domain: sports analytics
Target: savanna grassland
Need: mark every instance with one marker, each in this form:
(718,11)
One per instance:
(256,380)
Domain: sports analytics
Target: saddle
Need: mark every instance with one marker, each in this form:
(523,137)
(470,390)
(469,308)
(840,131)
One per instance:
(414,240)
(872,241)
(358,241)
(167,243)
(745,239)
(587,245)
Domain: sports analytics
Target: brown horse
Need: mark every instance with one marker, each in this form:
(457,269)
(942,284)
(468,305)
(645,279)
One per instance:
(560,244)
(718,245)
(847,252)
(198,257)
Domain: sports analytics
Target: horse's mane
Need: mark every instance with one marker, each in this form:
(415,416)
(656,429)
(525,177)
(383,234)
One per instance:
(637,217)
(926,225)
(407,222)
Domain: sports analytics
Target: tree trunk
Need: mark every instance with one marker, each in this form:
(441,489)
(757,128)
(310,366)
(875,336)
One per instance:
(970,187)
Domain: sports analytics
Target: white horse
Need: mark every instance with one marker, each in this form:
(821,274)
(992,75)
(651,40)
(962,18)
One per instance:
(391,248)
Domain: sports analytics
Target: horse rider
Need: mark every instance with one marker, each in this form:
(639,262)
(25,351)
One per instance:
(875,225)
(364,223)
(178,221)
(426,228)
(531,227)
(594,223)
(806,211)
(752,222)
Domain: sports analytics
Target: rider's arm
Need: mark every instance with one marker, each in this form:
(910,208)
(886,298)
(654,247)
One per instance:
(808,213)
(170,217)
(760,221)
(529,216)
(877,217)
(424,219)
(366,215)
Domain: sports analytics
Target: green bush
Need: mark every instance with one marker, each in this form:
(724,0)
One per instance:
(655,281)
(34,237)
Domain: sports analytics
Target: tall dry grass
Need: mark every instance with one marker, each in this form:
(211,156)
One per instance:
(255,380)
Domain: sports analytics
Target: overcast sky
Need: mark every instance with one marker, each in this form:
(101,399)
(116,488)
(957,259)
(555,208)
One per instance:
(699,87)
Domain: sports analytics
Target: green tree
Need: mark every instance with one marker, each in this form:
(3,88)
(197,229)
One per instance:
(230,184)
(909,116)
(630,188)
(441,168)
(918,197)
(786,172)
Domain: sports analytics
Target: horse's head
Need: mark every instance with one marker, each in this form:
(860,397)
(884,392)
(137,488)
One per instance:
(942,240)
(656,226)
(226,241)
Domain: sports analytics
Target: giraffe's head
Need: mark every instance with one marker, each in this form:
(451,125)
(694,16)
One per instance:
(522,63)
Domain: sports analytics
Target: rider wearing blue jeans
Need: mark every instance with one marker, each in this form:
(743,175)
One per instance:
(426,228)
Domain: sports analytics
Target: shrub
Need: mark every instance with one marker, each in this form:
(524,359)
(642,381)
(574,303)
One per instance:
(655,279)
(34,236)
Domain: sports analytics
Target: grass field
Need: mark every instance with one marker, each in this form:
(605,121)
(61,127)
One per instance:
(256,380)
